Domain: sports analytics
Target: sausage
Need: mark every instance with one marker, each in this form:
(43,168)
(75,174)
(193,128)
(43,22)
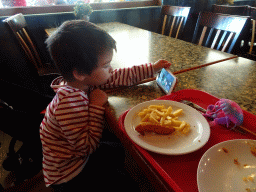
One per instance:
(155,128)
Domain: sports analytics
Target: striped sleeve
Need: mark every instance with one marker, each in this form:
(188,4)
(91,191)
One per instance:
(81,123)
(129,76)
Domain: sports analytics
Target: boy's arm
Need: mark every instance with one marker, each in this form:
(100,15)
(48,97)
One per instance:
(129,76)
(81,123)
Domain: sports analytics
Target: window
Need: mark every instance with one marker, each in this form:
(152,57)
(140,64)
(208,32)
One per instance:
(11,7)
(29,3)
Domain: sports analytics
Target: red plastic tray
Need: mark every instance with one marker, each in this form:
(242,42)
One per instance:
(179,173)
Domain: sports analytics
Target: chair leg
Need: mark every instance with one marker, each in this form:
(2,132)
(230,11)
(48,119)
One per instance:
(253,35)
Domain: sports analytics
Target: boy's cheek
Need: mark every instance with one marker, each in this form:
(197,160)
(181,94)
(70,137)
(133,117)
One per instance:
(106,75)
(102,78)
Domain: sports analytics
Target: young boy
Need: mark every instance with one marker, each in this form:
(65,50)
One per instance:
(72,127)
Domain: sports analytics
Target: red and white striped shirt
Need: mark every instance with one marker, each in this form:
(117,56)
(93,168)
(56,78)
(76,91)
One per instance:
(72,127)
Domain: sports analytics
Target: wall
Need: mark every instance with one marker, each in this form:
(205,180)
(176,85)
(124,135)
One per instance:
(143,17)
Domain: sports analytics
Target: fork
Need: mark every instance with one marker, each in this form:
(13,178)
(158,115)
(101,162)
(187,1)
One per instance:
(193,105)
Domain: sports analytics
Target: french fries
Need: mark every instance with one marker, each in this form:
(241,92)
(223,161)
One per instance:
(162,118)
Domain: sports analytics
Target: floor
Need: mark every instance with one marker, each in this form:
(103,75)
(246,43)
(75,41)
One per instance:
(35,184)
(5,141)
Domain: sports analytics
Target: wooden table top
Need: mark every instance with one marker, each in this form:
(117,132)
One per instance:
(233,79)
(136,46)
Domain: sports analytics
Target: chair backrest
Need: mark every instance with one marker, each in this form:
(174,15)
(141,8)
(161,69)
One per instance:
(253,13)
(219,31)
(253,20)
(16,67)
(173,20)
(232,10)
(18,25)
(253,36)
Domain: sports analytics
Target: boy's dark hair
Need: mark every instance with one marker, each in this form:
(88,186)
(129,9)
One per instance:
(77,44)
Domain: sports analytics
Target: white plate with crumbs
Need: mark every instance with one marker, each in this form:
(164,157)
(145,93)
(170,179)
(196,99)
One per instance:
(174,144)
(228,166)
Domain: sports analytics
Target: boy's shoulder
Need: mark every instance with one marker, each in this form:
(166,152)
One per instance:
(67,90)
(63,90)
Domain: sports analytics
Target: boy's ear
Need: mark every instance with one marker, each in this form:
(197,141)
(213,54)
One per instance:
(78,76)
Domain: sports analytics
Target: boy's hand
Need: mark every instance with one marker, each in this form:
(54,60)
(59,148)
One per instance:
(157,66)
(98,97)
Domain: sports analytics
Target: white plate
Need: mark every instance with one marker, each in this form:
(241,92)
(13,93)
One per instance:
(169,144)
(218,172)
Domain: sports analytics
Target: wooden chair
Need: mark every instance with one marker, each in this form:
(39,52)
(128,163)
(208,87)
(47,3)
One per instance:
(253,20)
(231,10)
(18,25)
(219,31)
(236,10)
(173,20)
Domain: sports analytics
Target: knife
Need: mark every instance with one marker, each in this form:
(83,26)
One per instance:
(199,108)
